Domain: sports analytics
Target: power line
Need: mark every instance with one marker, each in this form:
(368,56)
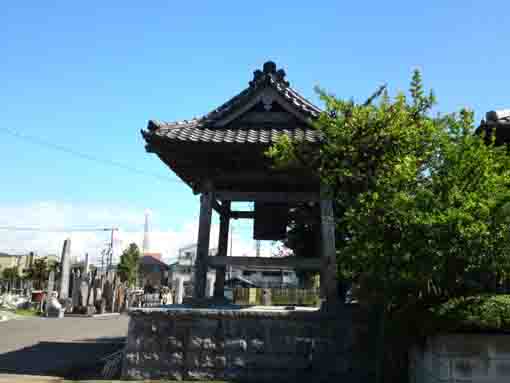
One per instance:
(55,229)
(50,145)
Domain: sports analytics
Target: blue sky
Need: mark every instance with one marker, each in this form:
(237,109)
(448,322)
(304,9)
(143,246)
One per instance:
(88,76)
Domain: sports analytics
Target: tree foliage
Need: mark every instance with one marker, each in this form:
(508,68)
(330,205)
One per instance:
(38,272)
(10,273)
(421,203)
(128,266)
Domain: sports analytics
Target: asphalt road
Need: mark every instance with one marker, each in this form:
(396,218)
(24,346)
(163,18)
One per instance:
(58,347)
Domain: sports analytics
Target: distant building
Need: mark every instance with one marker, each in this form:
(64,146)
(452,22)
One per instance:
(152,272)
(184,267)
(262,277)
(21,261)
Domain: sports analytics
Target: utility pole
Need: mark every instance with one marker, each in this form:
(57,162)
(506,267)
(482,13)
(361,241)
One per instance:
(111,248)
(257,248)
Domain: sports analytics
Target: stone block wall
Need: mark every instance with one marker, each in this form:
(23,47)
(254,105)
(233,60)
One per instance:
(258,346)
(468,358)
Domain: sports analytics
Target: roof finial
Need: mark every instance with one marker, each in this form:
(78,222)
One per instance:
(269,67)
(269,73)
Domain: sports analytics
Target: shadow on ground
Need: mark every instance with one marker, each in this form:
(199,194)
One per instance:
(73,360)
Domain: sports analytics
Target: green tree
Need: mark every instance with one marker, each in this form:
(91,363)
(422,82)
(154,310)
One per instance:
(420,203)
(128,266)
(38,272)
(10,274)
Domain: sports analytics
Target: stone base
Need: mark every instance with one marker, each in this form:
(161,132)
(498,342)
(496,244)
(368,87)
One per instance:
(67,304)
(260,345)
(470,357)
(88,310)
(55,313)
(211,303)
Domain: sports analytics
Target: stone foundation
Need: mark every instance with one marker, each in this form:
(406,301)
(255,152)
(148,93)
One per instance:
(249,345)
(473,358)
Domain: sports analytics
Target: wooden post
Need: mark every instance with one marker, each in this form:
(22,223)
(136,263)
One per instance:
(329,288)
(219,286)
(204,233)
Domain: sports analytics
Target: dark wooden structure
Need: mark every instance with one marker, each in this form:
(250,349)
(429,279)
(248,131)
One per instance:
(497,123)
(222,156)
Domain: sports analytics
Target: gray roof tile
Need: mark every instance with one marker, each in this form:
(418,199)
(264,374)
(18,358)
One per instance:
(202,129)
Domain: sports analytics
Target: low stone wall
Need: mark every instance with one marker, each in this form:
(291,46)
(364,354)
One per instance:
(241,345)
(473,358)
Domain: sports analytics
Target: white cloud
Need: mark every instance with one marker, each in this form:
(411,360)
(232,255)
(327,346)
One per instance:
(58,215)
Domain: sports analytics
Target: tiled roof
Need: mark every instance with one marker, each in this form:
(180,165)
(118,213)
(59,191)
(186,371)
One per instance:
(497,123)
(498,116)
(203,130)
(239,135)
(149,260)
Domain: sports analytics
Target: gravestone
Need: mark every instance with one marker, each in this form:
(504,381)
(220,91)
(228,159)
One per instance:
(51,283)
(108,294)
(86,265)
(84,292)
(121,298)
(114,294)
(53,307)
(49,290)
(179,291)
(209,287)
(65,264)
(90,296)
(76,289)
(102,306)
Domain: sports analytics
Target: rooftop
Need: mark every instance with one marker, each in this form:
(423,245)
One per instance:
(269,92)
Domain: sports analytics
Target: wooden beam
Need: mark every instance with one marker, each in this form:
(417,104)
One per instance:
(268,196)
(329,285)
(220,208)
(292,214)
(293,263)
(219,286)
(242,214)
(204,233)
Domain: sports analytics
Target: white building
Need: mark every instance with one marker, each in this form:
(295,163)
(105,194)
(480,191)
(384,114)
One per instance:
(265,277)
(184,267)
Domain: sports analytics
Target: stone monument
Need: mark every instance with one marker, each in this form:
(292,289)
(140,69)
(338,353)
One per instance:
(209,287)
(49,290)
(75,294)
(53,307)
(179,291)
(86,265)
(65,264)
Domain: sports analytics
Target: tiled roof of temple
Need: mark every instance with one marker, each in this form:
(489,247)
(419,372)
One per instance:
(209,129)
(496,122)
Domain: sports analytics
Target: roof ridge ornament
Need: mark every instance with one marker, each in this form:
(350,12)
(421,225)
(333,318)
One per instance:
(268,73)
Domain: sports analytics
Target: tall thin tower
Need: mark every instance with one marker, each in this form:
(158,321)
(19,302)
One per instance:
(146,234)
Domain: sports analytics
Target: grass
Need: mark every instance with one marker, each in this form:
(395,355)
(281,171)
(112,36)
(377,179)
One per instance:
(26,312)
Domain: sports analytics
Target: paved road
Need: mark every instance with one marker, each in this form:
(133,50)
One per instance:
(49,346)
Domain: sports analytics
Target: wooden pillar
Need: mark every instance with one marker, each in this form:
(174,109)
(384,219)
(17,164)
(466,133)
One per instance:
(219,287)
(204,232)
(329,285)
